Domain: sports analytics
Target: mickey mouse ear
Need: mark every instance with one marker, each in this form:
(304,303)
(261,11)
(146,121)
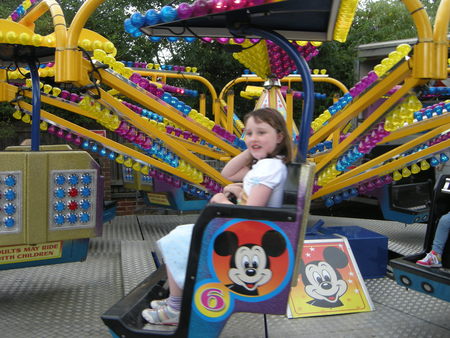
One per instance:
(226,243)
(273,243)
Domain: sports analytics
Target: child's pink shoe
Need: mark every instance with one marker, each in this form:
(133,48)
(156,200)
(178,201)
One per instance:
(431,260)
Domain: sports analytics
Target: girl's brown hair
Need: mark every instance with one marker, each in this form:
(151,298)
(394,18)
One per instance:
(274,118)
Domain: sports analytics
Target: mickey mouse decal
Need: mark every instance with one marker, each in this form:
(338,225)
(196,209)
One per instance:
(249,266)
(322,281)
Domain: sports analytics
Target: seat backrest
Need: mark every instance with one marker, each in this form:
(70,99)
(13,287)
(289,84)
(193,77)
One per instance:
(291,185)
(242,259)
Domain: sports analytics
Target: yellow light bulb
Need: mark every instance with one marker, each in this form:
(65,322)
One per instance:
(11,37)
(136,166)
(36,40)
(145,170)
(128,163)
(47,88)
(17,115)
(24,38)
(404,49)
(43,126)
(108,47)
(56,91)
(424,165)
(86,44)
(397,176)
(406,172)
(97,44)
(99,54)
(380,70)
(415,169)
(120,159)
(26,118)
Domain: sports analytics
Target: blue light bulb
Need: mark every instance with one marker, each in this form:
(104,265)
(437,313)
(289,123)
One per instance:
(59,206)
(337,198)
(85,204)
(443,158)
(136,34)
(187,109)
(168,13)
(60,193)
(9,222)
(85,192)
(72,218)
(10,209)
(10,195)
(84,217)
(329,202)
(86,179)
(60,180)
(137,20)
(10,181)
(73,179)
(434,162)
(59,219)
(152,17)
(112,156)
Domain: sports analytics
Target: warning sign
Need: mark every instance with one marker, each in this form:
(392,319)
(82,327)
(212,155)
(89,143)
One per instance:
(26,253)
(156,198)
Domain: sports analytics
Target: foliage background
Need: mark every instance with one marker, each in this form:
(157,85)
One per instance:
(375,21)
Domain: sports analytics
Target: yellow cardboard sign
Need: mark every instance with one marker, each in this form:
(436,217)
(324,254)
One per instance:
(329,282)
(26,253)
(158,198)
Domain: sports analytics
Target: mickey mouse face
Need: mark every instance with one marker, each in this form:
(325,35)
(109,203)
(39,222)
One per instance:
(250,267)
(324,283)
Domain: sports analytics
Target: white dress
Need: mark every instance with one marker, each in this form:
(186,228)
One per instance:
(175,246)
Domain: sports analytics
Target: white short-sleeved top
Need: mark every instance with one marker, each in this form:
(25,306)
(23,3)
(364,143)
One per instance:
(271,172)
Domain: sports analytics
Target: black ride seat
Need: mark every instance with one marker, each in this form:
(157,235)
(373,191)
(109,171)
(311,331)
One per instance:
(268,225)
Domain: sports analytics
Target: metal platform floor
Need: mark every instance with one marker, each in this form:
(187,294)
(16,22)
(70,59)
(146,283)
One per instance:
(66,300)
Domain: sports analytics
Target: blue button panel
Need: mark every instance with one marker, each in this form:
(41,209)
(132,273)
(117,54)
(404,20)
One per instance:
(10,202)
(72,199)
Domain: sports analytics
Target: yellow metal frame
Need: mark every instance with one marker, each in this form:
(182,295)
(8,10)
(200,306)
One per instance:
(428,61)
(154,74)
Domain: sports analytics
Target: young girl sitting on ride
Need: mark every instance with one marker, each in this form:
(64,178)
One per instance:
(433,259)
(261,169)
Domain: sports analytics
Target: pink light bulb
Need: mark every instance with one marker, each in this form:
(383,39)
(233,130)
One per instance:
(78,141)
(251,3)
(236,4)
(200,7)
(184,10)
(223,40)
(218,6)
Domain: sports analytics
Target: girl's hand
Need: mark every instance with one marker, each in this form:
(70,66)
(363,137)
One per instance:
(220,198)
(234,188)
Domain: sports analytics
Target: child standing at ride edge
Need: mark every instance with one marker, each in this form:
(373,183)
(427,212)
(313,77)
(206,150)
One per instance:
(261,169)
(433,259)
